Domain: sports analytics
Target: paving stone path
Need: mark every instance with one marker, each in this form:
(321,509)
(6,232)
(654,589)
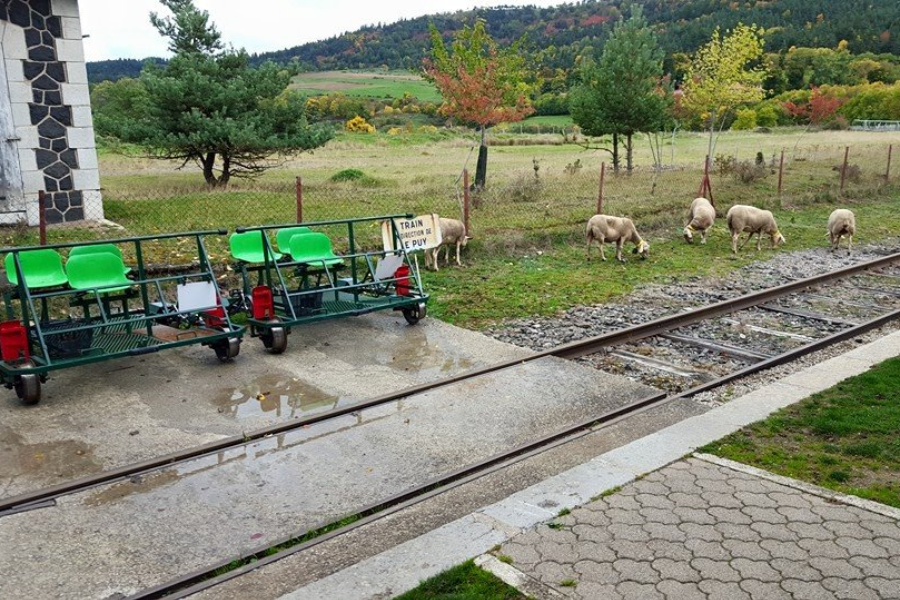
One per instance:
(699,530)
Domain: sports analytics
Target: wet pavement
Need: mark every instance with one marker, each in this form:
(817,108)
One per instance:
(118,412)
(121,538)
(700,530)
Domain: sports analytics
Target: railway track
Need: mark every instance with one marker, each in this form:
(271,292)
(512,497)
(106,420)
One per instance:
(795,300)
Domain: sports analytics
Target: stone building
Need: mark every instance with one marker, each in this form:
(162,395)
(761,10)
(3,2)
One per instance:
(46,130)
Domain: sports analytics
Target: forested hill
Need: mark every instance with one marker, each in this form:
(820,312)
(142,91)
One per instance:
(559,34)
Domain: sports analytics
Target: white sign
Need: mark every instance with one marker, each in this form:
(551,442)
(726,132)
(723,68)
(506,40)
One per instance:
(418,233)
(197,296)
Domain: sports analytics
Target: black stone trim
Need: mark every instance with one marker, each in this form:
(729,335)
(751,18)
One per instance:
(46,73)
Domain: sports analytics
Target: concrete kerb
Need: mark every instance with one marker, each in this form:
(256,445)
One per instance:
(401,568)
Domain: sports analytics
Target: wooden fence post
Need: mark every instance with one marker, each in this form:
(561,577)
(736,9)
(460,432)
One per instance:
(781,173)
(42,217)
(887,172)
(600,193)
(844,167)
(299,188)
(466,200)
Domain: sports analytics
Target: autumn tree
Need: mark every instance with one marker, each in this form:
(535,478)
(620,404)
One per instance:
(820,109)
(208,106)
(621,94)
(723,75)
(481,84)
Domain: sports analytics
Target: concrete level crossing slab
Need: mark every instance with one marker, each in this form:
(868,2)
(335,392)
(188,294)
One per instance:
(118,412)
(128,536)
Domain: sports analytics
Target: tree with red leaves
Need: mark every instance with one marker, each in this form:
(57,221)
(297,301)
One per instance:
(820,108)
(481,84)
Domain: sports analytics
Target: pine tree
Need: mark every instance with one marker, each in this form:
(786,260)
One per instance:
(621,93)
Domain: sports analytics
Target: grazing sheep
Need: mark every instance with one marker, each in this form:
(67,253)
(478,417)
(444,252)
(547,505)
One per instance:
(841,223)
(742,218)
(452,232)
(605,229)
(702,217)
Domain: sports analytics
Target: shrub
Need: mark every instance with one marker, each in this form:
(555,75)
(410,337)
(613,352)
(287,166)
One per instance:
(348,175)
(766,116)
(746,119)
(524,188)
(748,172)
(724,164)
(359,125)
(394,131)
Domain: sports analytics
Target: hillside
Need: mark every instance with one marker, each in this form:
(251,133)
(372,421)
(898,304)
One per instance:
(558,35)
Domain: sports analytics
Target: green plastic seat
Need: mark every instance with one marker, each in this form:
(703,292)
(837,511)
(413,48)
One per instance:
(283,237)
(314,249)
(248,247)
(95,248)
(42,268)
(101,270)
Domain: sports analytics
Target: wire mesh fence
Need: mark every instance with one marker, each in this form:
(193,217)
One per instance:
(525,202)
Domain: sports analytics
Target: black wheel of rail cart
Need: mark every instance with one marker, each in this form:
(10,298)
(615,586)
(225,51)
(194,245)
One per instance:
(414,314)
(275,339)
(28,388)
(228,349)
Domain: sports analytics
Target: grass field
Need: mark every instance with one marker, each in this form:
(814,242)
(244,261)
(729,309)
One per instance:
(371,84)
(844,438)
(527,256)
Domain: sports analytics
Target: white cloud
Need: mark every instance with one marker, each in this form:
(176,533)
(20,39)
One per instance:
(121,29)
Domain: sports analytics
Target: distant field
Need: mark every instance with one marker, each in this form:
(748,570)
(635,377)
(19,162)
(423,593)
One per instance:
(549,121)
(372,84)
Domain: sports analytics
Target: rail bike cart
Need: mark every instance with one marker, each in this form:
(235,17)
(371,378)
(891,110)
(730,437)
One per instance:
(78,303)
(302,280)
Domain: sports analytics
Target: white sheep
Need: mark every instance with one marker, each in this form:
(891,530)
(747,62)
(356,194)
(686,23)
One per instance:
(841,223)
(453,232)
(605,229)
(703,215)
(742,218)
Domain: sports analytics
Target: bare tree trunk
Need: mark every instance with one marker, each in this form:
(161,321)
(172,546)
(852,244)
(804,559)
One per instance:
(629,165)
(208,161)
(481,165)
(615,153)
(712,133)
(226,171)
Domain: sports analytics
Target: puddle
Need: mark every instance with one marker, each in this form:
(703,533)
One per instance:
(47,461)
(275,396)
(414,353)
(135,485)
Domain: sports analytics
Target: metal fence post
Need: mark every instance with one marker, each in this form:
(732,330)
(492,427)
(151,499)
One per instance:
(844,167)
(781,173)
(887,172)
(42,217)
(600,193)
(466,201)
(299,200)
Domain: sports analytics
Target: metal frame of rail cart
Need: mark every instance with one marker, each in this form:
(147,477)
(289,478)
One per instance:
(291,291)
(34,342)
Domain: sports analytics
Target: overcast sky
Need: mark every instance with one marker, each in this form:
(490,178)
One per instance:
(121,28)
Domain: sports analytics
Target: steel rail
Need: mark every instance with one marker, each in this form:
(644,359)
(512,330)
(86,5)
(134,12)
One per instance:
(571,350)
(203,579)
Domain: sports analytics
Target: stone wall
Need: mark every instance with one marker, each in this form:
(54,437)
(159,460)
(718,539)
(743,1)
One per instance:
(50,105)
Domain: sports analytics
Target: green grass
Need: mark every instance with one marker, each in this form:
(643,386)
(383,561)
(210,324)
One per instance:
(497,284)
(371,84)
(550,121)
(844,438)
(463,582)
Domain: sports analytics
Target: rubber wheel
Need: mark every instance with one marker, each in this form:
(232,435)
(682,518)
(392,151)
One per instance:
(414,314)
(226,351)
(28,388)
(275,340)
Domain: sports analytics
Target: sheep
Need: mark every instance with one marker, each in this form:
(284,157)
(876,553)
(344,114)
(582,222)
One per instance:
(841,223)
(606,229)
(702,217)
(452,232)
(742,218)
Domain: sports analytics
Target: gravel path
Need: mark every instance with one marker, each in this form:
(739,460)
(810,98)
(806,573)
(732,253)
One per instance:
(742,330)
